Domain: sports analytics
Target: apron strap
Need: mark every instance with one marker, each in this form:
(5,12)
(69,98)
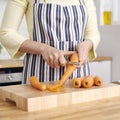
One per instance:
(80,2)
(36,1)
(45,1)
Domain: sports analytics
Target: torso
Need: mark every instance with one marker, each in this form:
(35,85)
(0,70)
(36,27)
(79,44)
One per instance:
(59,26)
(29,11)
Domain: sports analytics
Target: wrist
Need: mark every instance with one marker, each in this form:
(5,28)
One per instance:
(88,44)
(41,48)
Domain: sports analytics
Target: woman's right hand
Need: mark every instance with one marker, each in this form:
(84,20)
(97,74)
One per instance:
(54,57)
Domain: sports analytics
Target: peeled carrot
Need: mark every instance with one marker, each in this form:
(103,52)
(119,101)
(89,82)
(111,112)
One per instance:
(87,82)
(76,82)
(36,84)
(70,69)
(98,81)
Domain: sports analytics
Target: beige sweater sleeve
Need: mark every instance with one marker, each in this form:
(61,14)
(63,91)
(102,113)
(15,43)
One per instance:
(13,16)
(9,36)
(92,32)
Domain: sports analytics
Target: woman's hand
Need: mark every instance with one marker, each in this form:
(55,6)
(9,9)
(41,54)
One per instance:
(83,50)
(54,57)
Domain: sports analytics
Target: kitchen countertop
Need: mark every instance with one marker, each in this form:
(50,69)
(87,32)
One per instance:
(11,63)
(107,109)
(19,63)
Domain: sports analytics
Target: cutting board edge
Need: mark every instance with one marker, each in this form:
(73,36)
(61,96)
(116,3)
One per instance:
(61,99)
(56,99)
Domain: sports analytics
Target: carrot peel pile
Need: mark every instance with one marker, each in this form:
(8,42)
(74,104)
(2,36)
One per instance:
(55,88)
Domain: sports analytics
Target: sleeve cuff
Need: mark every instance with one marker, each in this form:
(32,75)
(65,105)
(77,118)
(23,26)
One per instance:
(12,42)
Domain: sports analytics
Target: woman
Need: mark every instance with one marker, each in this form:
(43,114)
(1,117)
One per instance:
(57,28)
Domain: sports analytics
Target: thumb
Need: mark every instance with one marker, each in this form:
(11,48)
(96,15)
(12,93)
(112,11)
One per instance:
(67,53)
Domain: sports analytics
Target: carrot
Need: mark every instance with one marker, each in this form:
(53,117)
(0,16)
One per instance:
(98,81)
(70,68)
(76,82)
(36,84)
(87,82)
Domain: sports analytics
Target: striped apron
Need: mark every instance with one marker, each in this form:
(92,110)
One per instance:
(59,26)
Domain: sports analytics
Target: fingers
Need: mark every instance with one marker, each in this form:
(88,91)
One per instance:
(51,63)
(83,60)
(82,53)
(67,53)
(82,56)
(53,60)
(56,61)
(62,60)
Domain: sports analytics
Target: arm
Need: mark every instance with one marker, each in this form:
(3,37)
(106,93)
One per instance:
(9,35)
(51,55)
(17,45)
(92,32)
(87,48)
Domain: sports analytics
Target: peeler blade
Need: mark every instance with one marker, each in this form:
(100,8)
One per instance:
(72,63)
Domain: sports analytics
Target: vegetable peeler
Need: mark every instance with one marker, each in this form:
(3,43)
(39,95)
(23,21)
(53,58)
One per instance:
(73,63)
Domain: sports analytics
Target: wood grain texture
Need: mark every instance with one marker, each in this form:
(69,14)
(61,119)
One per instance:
(106,109)
(11,63)
(100,59)
(30,99)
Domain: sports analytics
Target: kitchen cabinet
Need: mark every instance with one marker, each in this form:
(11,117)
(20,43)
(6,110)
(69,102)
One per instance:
(102,68)
(10,72)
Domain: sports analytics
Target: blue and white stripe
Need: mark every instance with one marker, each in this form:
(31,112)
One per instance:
(61,27)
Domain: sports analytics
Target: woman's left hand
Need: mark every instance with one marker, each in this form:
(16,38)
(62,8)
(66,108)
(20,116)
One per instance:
(83,51)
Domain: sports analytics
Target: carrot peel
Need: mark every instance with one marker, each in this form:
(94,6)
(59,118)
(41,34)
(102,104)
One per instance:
(36,84)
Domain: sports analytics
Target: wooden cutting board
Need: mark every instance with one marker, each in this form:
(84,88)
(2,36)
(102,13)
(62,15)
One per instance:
(30,99)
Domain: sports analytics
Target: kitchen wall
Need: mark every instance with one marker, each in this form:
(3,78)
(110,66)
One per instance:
(109,45)
(3,52)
